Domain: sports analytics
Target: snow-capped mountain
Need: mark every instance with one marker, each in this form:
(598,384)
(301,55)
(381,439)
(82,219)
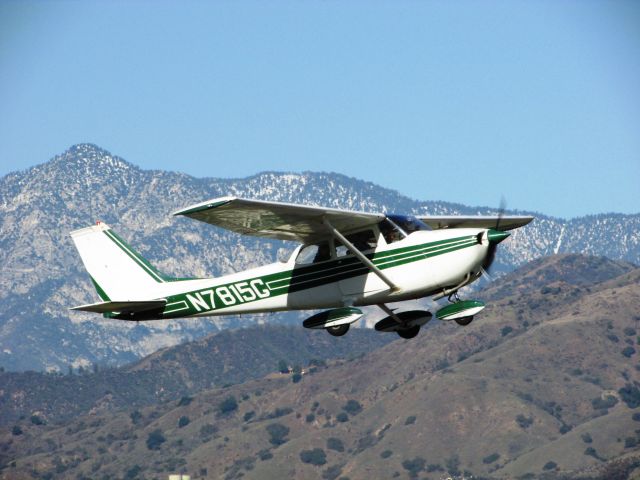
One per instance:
(42,274)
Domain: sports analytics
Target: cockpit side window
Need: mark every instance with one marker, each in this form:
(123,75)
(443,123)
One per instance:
(314,254)
(363,241)
(390,231)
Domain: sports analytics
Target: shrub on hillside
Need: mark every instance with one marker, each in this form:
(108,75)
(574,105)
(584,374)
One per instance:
(410,420)
(336,444)
(342,417)
(183,421)
(228,405)
(314,457)
(16,430)
(386,454)
(280,412)
(629,331)
(636,417)
(248,415)
(600,403)
(591,452)
(506,330)
(332,472)
(628,352)
(265,455)
(414,466)
(551,465)
(630,394)
(277,433)
(352,407)
(207,430)
(564,428)
(136,417)
(37,420)
(283,367)
(133,473)
(491,458)
(296,377)
(155,439)
(523,421)
(184,401)
(453,465)
(586,438)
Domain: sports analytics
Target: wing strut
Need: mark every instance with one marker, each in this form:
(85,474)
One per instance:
(368,263)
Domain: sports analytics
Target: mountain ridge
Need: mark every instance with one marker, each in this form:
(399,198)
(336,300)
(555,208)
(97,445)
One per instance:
(43,275)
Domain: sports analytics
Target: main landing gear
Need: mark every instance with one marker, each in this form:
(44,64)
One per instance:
(338,330)
(405,324)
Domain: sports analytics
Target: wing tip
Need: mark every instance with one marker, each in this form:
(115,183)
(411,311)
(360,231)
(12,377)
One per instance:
(201,207)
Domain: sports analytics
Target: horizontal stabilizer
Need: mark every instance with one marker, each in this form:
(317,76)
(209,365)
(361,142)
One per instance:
(122,307)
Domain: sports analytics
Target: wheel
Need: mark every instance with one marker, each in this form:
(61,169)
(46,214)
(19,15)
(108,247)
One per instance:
(338,330)
(409,332)
(464,321)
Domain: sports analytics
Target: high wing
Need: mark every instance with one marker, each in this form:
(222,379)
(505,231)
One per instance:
(505,222)
(284,221)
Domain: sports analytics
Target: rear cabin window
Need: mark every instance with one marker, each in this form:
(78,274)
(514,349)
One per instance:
(363,241)
(314,254)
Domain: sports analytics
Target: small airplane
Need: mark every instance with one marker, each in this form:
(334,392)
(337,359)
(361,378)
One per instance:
(345,260)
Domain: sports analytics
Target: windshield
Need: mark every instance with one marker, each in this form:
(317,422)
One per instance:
(408,223)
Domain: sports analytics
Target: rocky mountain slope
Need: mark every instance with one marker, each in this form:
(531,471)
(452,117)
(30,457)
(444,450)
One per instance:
(545,384)
(42,275)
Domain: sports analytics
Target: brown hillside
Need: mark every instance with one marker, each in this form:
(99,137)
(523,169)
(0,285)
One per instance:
(542,385)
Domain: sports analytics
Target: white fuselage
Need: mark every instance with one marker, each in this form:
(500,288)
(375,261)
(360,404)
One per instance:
(424,263)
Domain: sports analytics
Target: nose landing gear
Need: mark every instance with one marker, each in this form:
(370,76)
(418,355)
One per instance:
(462,311)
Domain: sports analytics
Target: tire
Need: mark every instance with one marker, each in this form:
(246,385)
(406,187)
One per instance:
(464,321)
(409,332)
(338,330)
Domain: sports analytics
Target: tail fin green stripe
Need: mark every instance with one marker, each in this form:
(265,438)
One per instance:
(101,292)
(139,259)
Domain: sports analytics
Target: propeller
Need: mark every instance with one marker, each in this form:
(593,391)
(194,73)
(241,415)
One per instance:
(495,236)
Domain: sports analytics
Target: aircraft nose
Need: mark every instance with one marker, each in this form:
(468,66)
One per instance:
(496,236)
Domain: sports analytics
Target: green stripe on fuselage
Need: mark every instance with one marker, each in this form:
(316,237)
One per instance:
(303,278)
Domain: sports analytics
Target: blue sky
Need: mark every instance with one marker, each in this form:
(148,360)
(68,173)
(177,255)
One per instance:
(460,101)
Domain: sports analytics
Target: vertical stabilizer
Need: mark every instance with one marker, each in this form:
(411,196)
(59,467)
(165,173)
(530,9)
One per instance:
(117,271)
